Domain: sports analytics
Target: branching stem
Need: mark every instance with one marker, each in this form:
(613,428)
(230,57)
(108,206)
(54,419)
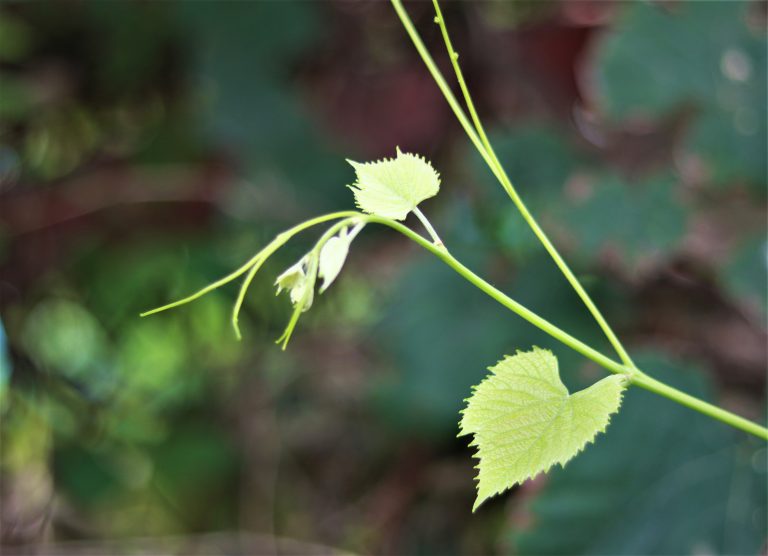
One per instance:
(444,255)
(255,262)
(478,137)
(632,373)
(358,220)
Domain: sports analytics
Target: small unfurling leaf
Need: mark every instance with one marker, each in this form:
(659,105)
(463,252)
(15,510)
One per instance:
(299,283)
(291,277)
(300,279)
(334,253)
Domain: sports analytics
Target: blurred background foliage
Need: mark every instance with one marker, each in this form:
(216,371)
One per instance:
(146,148)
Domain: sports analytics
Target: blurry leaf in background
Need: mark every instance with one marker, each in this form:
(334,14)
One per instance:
(152,359)
(254,107)
(539,161)
(150,32)
(438,330)
(639,219)
(63,337)
(746,274)
(516,14)
(210,477)
(539,158)
(59,140)
(74,90)
(664,480)
(16,100)
(173,477)
(593,210)
(15,38)
(27,439)
(435,333)
(5,365)
(87,475)
(538,283)
(703,54)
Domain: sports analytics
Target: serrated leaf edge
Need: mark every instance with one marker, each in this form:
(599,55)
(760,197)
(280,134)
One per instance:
(356,186)
(591,440)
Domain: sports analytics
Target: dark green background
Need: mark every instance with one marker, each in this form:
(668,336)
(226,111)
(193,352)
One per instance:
(147,148)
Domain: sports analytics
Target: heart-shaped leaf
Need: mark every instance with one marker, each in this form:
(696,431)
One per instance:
(392,188)
(524,420)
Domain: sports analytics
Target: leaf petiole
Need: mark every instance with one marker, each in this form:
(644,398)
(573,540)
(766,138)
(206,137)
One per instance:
(428,226)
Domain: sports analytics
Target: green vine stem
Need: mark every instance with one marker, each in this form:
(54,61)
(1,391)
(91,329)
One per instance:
(632,373)
(478,137)
(657,387)
(346,218)
(444,255)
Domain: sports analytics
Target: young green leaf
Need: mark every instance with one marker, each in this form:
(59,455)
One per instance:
(300,280)
(391,188)
(524,420)
(291,277)
(332,257)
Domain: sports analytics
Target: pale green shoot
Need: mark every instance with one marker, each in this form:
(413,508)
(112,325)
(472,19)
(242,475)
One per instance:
(252,266)
(522,418)
(334,254)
